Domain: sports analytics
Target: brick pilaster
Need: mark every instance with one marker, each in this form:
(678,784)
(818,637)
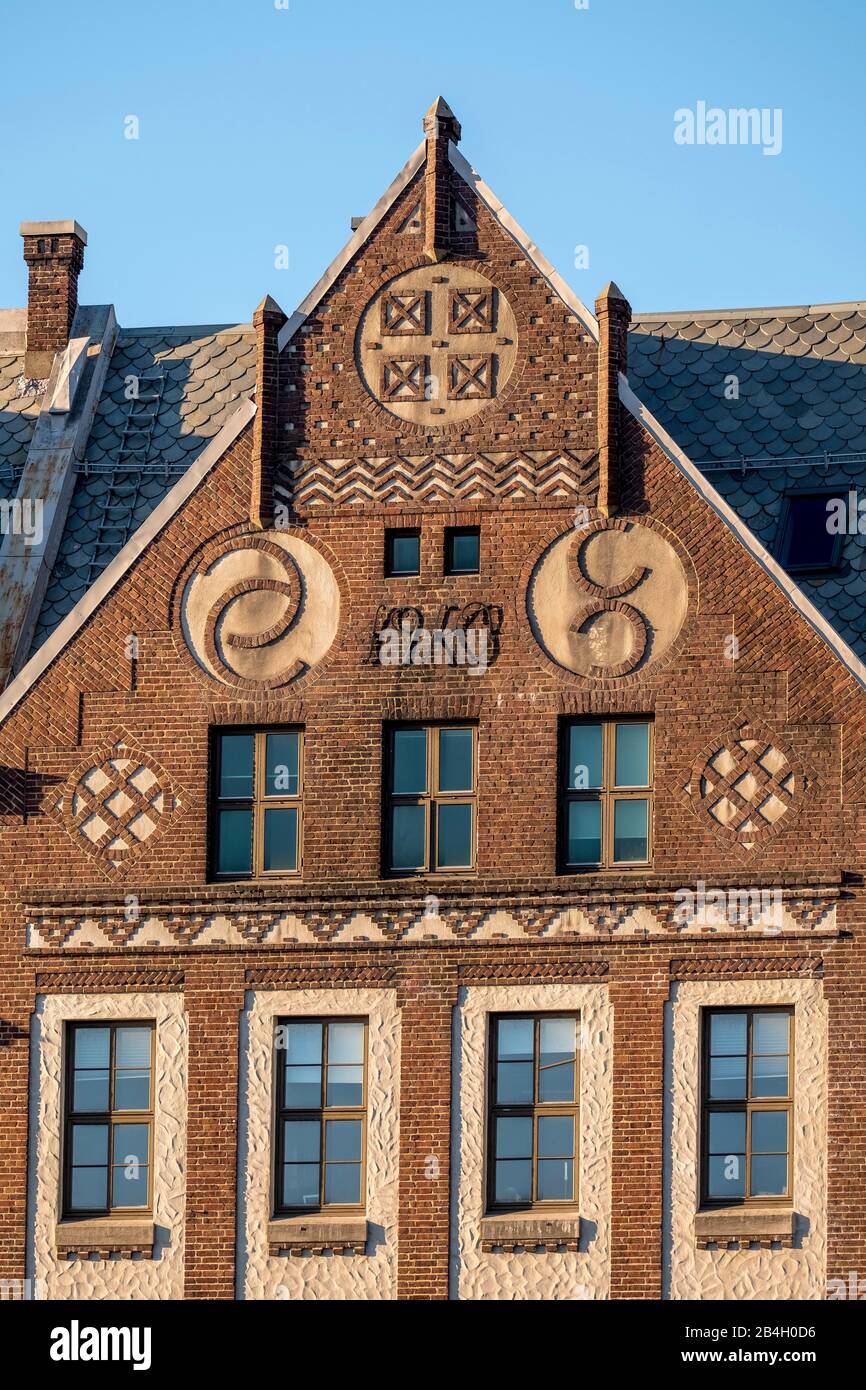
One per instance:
(614,316)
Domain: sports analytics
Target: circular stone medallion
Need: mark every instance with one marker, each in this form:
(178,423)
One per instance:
(436,345)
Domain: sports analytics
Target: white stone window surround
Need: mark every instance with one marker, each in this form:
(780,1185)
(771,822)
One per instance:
(798,1273)
(162,1276)
(369,1275)
(569,1274)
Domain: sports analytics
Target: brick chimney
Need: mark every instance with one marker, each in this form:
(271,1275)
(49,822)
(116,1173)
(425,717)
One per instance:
(54,252)
(614,316)
(441,126)
(268,319)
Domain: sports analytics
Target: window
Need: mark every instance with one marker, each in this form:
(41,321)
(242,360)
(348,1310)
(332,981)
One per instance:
(402,553)
(606,799)
(109,1118)
(321,1114)
(430,811)
(533,1118)
(747,1109)
(257,802)
(462,550)
(805,540)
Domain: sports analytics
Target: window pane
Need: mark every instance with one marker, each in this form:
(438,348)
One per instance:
(769,1131)
(89,1144)
(345,1085)
(556,1136)
(584,756)
(584,832)
(769,1076)
(281,765)
(236,764)
(769,1177)
(727,1035)
(557,1040)
(346,1042)
(343,1140)
(301,1141)
(404,554)
(408,837)
(303,1088)
(132,1089)
(410,762)
(300,1185)
(770,1032)
(235,842)
(556,1083)
(807,540)
(513,1180)
(89,1189)
(515,1039)
(727,1176)
(727,1132)
(632,755)
(630,819)
(281,839)
(342,1184)
(92,1048)
(132,1047)
(454,838)
(514,1083)
(303,1042)
(465,552)
(727,1078)
(555,1179)
(514,1136)
(129,1166)
(90,1091)
(455,760)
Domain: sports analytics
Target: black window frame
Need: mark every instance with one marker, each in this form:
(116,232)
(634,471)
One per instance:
(783,534)
(452,533)
(392,534)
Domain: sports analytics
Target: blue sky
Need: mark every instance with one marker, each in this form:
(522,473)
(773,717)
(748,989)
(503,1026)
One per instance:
(263,126)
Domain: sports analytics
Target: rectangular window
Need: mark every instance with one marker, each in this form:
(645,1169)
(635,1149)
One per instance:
(533,1114)
(606,792)
(806,541)
(108,1129)
(462,550)
(257,802)
(746,1141)
(402,553)
(321,1116)
(430,799)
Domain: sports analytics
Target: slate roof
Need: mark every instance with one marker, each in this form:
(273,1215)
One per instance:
(20,401)
(767,402)
(188,380)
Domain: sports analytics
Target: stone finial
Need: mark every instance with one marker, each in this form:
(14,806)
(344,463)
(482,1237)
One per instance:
(440,120)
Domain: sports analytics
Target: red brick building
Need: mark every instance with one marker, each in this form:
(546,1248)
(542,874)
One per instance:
(432,784)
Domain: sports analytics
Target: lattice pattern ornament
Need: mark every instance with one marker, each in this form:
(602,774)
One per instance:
(746,786)
(117,804)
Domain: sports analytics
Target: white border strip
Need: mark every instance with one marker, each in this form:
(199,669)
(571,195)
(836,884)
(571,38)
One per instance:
(516,232)
(353,245)
(736,524)
(114,572)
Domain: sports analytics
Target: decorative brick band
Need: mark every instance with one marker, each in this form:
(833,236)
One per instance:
(728,967)
(277,977)
(87,980)
(480,973)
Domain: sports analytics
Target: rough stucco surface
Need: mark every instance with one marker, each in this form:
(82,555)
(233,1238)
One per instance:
(372,1275)
(579,1274)
(161,1277)
(749,1274)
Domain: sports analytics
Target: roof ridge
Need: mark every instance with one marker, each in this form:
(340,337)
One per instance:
(771,311)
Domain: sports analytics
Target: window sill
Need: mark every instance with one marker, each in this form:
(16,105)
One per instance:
(106,1235)
(761,1226)
(510,1231)
(317,1233)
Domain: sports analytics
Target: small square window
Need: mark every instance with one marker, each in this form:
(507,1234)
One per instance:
(402,553)
(806,541)
(462,550)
